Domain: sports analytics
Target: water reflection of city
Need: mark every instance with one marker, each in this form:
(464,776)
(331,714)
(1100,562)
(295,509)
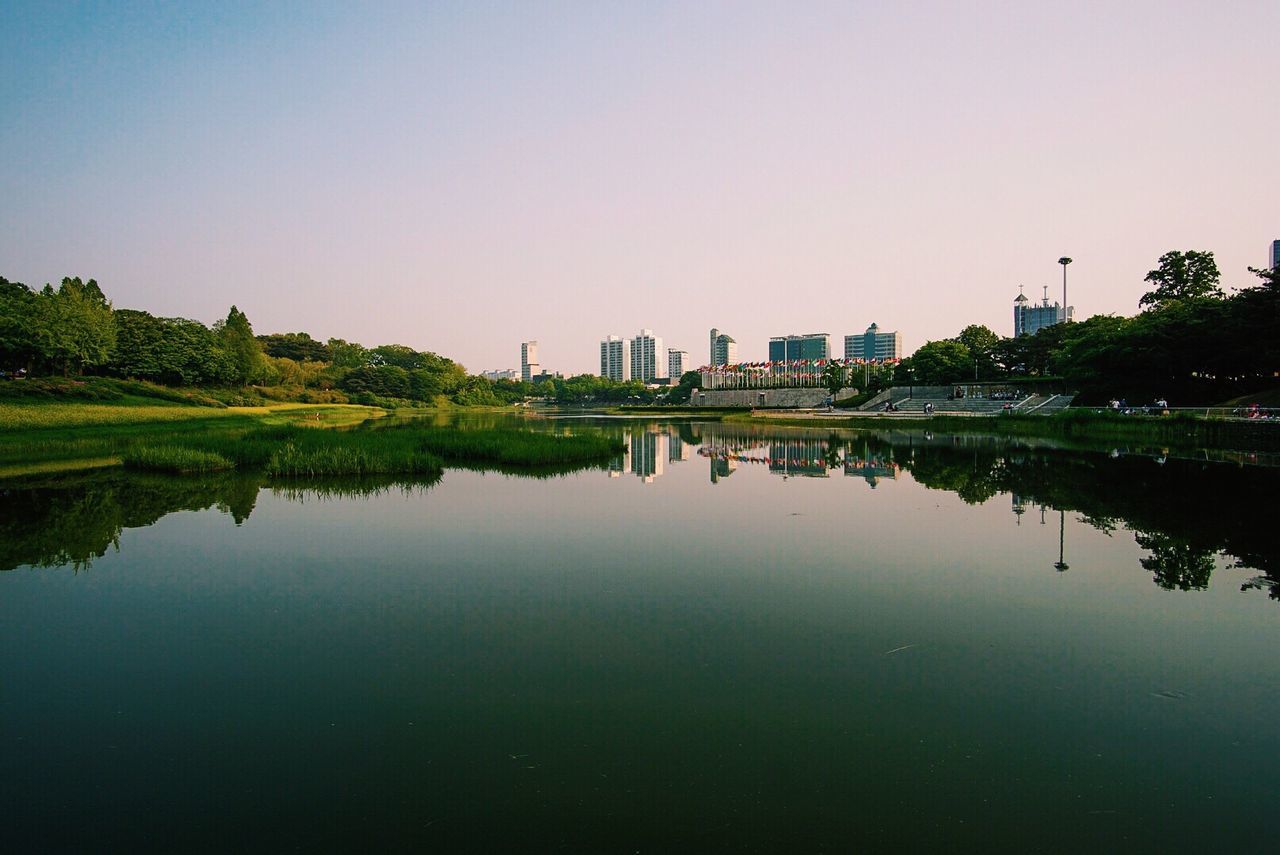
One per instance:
(651,447)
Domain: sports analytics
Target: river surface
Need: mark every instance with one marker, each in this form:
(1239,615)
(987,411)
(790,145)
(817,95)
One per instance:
(728,639)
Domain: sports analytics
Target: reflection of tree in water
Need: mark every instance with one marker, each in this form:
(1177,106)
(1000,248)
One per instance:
(1175,563)
(72,520)
(974,479)
(1183,512)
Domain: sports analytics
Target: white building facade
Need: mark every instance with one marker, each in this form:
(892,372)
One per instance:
(648,357)
(676,362)
(615,359)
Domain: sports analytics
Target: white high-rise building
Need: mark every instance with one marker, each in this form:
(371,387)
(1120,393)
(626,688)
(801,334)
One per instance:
(676,360)
(648,357)
(615,359)
(529,365)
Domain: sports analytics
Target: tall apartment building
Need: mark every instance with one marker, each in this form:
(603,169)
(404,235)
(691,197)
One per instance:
(1029,319)
(724,350)
(648,358)
(676,360)
(788,348)
(529,360)
(1275,253)
(873,344)
(615,359)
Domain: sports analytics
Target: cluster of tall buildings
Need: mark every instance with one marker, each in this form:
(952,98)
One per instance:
(871,344)
(644,358)
(640,358)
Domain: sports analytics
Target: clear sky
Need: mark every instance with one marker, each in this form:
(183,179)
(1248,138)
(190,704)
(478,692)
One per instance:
(460,177)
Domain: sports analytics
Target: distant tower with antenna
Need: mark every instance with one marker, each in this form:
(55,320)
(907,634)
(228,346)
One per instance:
(1029,318)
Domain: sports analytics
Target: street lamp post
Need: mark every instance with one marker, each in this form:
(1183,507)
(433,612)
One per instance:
(1064,261)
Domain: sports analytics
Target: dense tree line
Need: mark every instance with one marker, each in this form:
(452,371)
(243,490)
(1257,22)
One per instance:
(73,329)
(1190,342)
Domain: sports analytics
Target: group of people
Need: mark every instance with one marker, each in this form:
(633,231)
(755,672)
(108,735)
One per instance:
(961,392)
(1119,405)
(1256,411)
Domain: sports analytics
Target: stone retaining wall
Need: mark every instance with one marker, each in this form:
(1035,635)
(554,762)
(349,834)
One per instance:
(766,398)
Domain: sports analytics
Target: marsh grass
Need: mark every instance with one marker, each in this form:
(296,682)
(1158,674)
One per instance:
(516,447)
(287,442)
(175,459)
(291,461)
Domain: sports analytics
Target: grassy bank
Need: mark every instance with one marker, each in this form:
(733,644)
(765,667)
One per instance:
(282,441)
(35,436)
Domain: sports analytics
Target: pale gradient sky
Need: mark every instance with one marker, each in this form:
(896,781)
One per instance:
(460,177)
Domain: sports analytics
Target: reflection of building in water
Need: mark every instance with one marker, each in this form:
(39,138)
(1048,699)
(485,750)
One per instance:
(648,449)
(722,467)
(870,466)
(648,453)
(804,456)
(618,465)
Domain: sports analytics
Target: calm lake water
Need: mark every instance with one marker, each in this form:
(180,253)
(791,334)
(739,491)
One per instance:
(728,639)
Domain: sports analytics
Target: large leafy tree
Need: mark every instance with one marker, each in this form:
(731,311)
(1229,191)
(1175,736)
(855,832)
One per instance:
(235,334)
(1182,276)
(981,342)
(78,329)
(20,319)
(176,351)
(347,354)
(938,362)
(299,347)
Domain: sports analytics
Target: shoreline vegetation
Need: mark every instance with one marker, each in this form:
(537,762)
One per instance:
(106,427)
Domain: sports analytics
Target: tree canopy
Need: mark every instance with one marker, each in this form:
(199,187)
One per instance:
(1182,276)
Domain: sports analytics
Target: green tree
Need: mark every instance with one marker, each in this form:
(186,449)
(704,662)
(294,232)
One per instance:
(399,355)
(238,342)
(344,354)
(681,392)
(835,377)
(78,328)
(1181,276)
(981,342)
(939,362)
(20,318)
(299,347)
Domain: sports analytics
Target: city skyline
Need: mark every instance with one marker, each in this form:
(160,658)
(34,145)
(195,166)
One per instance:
(485,172)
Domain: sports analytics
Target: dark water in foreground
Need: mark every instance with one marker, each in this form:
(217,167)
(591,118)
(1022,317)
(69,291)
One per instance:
(730,641)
